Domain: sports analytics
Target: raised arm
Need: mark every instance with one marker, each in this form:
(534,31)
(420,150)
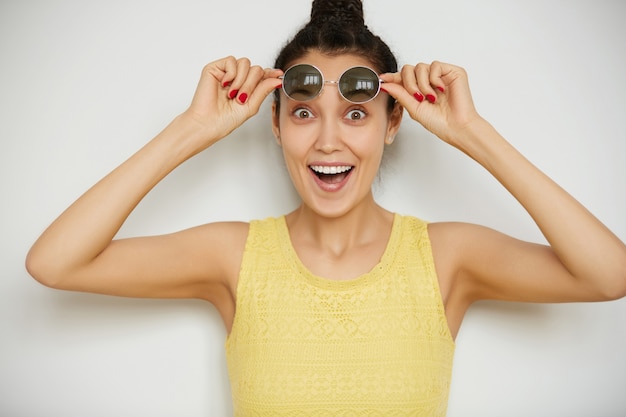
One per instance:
(584,262)
(77,251)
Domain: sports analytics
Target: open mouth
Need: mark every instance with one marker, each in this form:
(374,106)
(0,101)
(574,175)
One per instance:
(331,174)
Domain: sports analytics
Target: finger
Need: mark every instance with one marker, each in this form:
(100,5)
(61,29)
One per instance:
(409,80)
(236,75)
(391,77)
(228,66)
(212,75)
(273,73)
(422,73)
(405,78)
(436,76)
(265,87)
(397,90)
(253,77)
(394,85)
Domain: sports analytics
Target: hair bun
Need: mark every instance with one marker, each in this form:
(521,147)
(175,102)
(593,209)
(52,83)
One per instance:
(346,12)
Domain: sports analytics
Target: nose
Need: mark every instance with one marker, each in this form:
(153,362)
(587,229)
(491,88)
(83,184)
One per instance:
(329,137)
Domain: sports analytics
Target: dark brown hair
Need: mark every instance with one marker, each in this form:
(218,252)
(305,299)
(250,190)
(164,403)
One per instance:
(337,27)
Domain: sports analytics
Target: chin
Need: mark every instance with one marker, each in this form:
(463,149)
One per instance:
(333,209)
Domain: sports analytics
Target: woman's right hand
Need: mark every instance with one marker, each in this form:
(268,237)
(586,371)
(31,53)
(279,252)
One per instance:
(230,91)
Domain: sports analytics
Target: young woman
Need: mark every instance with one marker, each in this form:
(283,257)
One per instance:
(339,307)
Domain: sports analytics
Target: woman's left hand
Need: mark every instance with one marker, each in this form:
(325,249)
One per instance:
(437,96)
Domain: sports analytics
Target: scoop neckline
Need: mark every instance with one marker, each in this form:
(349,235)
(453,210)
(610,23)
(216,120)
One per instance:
(379,270)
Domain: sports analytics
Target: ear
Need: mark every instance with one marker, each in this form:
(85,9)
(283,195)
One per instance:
(395,119)
(276,123)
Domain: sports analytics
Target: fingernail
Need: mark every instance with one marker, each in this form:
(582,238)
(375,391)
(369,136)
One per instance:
(383,90)
(279,86)
(441,89)
(418,97)
(431,98)
(226,84)
(243,97)
(233,94)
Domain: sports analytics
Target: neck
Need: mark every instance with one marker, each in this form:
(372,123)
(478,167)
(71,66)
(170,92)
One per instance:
(360,226)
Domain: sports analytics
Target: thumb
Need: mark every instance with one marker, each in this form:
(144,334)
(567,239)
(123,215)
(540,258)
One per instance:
(397,91)
(265,88)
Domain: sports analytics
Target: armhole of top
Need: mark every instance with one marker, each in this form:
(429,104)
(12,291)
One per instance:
(245,261)
(247,258)
(426,253)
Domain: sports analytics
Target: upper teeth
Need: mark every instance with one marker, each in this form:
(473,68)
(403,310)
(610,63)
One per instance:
(330,169)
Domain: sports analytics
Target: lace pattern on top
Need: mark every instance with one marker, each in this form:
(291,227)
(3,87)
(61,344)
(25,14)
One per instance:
(302,345)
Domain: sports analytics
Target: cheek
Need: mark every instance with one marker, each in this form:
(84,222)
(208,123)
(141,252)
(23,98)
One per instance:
(295,154)
(371,145)
(295,142)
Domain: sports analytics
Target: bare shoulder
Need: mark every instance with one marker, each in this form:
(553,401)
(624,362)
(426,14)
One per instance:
(229,232)
(221,246)
(470,259)
(463,252)
(459,233)
(447,238)
(455,243)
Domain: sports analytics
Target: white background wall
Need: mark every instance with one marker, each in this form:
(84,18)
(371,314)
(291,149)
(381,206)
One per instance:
(83,84)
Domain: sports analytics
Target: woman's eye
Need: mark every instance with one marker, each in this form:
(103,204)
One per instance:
(302,113)
(355,114)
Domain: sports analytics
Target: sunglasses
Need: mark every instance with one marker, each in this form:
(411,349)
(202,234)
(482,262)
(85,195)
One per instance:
(304,82)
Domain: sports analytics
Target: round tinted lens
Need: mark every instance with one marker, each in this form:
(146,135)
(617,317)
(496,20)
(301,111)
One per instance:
(359,84)
(302,82)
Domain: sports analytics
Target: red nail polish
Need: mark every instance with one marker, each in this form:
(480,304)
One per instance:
(431,98)
(243,97)
(441,89)
(418,97)
(233,94)
(226,84)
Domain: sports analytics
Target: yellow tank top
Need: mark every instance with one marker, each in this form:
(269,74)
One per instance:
(303,345)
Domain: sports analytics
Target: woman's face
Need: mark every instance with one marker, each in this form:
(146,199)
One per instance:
(333,148)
